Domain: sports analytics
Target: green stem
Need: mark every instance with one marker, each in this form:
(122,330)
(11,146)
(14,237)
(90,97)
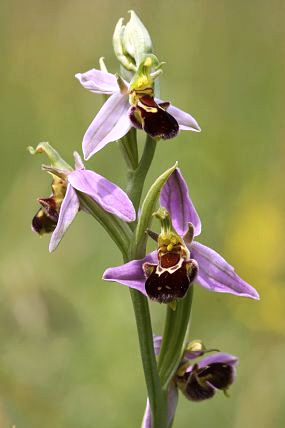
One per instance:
(157,399)
(129,147)
(117,229)
(136,177)
(175,330)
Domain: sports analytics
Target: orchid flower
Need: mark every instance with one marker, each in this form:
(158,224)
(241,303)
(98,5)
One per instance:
(199,381)
(131,104)
(214,274)
(59,210)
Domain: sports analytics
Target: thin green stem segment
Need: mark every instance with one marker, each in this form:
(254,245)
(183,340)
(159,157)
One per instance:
(129,147)
(157,399)
(117,229)
(175,330)
(136,177)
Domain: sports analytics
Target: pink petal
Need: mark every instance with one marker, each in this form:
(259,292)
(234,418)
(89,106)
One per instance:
(99,82)
(110,124)
(175,198)
(68,210)
(131,273)
(107,194)
(216,274)
(185,120)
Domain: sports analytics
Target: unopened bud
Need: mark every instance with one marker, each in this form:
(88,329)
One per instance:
(124,58)
(136,39)
(131,42)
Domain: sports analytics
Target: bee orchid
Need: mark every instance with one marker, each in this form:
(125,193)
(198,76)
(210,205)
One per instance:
(214,273)
(131,104)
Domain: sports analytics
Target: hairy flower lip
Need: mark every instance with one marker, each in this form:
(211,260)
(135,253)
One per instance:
(112,121)
(215,274)
(153,119)
(165,285)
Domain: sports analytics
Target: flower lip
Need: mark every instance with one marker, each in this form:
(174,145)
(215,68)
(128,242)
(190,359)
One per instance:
(165,285)
(153,119)
(46,217)
(42,223)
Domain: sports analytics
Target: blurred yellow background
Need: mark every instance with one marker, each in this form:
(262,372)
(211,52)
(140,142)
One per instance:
(69,353)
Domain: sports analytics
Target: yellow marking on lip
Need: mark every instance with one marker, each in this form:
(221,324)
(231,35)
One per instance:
(147,108)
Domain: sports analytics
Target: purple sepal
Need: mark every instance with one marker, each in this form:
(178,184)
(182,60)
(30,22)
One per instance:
(219,357)
(68,210)
(110,124)
(175,198)
(185,120)
(217,275)
(99,82)
(131,273)
(109,196)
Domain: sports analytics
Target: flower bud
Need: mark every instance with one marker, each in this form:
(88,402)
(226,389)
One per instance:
(124,58)
(136,39)
(131,42)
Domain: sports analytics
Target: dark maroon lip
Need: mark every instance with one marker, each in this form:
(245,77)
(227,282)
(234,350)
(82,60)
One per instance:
(158,123)
(164,286)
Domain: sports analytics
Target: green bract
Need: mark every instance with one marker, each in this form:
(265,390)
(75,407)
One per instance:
(55,159)
(148,208)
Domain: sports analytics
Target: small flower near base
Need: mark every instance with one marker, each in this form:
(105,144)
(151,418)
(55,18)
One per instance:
(201,381)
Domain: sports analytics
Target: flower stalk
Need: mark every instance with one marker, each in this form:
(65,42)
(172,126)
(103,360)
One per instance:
(137,176)
(174,335)
(136,179)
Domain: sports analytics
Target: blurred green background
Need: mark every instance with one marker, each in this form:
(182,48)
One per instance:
(69,352)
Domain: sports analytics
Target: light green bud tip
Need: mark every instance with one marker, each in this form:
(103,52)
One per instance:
(55,159)
(131,42)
